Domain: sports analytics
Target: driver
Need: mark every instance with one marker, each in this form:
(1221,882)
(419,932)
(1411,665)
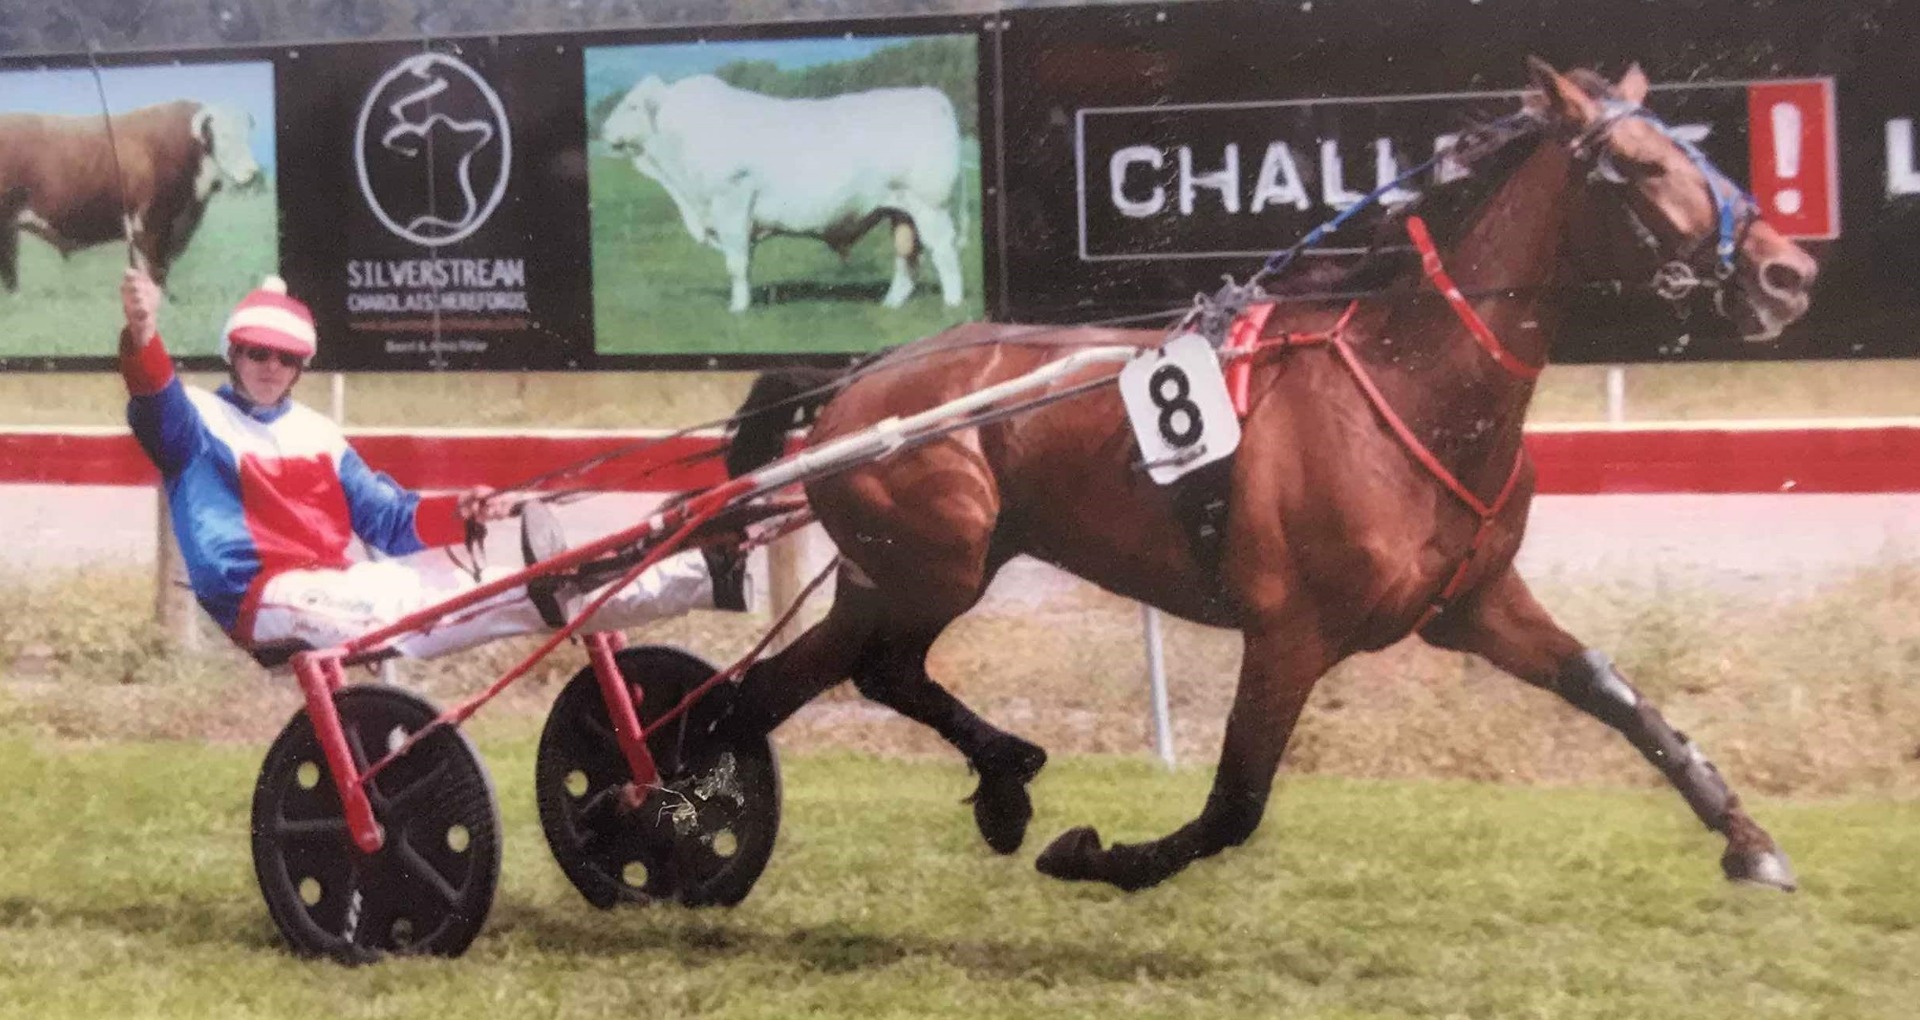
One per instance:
(265,495)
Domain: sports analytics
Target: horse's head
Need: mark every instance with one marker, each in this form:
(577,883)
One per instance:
(1657,209)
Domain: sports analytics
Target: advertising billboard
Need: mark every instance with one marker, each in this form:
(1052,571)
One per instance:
(437,217)
(733,196)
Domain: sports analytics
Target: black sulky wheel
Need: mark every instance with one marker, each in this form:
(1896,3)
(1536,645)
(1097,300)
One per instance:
(429,887)
(701,838)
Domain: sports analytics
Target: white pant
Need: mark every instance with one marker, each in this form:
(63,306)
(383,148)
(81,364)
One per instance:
(325,608)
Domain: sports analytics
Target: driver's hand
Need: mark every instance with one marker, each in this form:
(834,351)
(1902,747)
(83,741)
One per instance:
(480,504)
(140,302)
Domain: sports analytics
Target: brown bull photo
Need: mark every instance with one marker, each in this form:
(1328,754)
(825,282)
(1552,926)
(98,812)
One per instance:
(63,180)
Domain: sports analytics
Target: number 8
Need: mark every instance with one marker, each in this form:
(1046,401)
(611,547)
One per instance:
(1175,404)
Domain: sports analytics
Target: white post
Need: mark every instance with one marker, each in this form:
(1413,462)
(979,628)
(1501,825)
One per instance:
(1616,394)
(1157,684)
(173,606)
(786,575)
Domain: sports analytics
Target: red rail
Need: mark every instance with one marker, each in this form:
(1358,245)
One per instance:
(1862,455)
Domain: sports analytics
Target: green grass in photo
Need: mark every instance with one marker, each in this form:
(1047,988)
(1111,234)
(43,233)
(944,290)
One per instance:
(658,291)
(70,307)
(129,892)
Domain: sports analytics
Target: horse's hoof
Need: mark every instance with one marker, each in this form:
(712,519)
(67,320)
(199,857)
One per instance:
(1767,868)
(1070,856)
(1001,807)
(1009,757)
(1001,810)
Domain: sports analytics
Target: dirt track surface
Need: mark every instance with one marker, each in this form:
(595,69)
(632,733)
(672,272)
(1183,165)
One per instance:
(1735,543)
(1778,630)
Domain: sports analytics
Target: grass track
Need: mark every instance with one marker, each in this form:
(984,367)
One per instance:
(128,892)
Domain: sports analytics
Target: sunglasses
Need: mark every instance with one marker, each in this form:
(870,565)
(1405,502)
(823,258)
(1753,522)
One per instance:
(262,354)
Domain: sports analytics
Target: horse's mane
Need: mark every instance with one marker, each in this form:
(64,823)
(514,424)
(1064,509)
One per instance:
(1494,149)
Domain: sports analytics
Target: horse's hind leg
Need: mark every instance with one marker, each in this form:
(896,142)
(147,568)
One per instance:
(923,530)
(895,675)
(1505,624)
(888,664)
(825,654)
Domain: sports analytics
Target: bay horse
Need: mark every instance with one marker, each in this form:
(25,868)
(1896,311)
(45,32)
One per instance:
(1381,487)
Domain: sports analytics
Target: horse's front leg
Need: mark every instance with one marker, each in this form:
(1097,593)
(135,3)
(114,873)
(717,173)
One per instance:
(1278,669)
(1503,623)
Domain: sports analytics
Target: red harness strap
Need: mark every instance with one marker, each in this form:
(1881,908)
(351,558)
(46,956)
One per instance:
(1243,338)
(1244,341)
(1476,326)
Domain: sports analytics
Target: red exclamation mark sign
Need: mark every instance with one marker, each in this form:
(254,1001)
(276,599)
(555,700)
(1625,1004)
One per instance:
(1787,143)
(1791,126)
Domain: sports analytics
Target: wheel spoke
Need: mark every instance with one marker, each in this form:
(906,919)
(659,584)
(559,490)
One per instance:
(356,912)
(358,750)
(355,745)
(597,810)
(595,725)
(679,743)
(429,876)
(310,830)
(401,802)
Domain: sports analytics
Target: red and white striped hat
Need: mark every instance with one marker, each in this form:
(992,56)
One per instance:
(271,319)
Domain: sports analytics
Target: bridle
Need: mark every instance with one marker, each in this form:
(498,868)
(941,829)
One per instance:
(1705,263)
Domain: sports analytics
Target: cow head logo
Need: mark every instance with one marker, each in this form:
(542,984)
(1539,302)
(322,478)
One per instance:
(432,149)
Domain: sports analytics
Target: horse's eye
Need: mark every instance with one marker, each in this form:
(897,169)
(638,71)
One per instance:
(1633,164)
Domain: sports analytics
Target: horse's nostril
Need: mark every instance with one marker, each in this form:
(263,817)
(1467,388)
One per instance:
(1783,278)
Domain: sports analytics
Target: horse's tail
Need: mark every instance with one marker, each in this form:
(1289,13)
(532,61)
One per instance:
(779,402)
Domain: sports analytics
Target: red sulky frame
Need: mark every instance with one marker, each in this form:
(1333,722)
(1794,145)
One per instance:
(323,672)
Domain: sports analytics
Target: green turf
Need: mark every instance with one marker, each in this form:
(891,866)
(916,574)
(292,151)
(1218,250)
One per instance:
(657,291)
(127,892)
(71,307)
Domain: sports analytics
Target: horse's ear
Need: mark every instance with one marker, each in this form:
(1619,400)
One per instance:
(1633,85)
(1565,99)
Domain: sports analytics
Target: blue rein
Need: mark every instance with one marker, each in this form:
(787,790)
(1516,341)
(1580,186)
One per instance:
(1280,260)
(1726,201)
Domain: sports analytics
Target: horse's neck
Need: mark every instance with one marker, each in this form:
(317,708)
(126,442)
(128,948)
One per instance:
(1516,244)
(1430,367)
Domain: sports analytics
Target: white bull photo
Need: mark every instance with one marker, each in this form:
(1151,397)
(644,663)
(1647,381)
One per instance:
(741,166)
